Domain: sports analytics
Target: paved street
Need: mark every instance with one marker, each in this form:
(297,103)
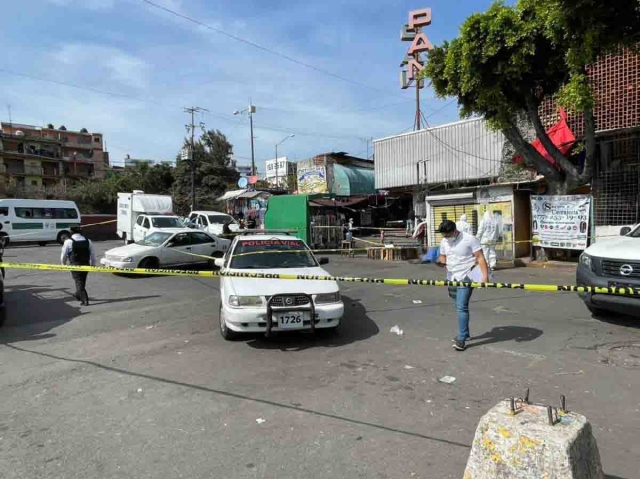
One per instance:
(140,383)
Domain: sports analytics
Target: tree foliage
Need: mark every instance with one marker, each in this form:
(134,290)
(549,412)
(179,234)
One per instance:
(213,176)
(100,196)
(509,59)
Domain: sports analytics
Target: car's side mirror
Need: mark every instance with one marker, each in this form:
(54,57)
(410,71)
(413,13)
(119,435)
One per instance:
(170,244)
(625,230)
(219,262)
(323,260)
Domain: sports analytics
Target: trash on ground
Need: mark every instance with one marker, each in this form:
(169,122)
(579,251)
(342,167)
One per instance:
(139,390)
(260,420)
(447,379)
(417,301)
(396,329)
(150,327)
(406,366)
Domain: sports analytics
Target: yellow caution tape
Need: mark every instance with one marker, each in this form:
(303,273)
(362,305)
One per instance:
(547,288)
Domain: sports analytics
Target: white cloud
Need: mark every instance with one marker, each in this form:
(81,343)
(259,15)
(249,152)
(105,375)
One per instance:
(88,4)
(118,66)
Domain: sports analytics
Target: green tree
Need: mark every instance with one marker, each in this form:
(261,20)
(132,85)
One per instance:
(100,196)
(509,59)
(214,174)
(156,179)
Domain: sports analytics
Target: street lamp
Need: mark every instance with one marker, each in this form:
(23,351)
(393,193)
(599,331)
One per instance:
(250,110)
(278,144)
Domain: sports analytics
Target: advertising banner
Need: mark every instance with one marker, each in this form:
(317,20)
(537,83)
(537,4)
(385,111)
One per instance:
(312,180)
(560,221)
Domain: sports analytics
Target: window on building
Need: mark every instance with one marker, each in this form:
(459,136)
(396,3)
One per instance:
(96,139)
(34,183)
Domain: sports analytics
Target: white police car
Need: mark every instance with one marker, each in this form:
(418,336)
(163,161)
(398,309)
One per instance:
(251,305)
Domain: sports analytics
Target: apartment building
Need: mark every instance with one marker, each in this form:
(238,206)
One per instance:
(37,157)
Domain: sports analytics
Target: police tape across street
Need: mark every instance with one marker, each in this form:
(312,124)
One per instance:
(545,288)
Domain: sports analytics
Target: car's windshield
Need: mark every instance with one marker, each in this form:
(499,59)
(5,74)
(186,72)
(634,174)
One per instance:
(155,239)
(272,253)
(635,233)
(167,222)
(220,219)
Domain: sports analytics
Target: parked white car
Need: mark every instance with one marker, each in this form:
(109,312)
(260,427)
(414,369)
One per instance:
(612,262)
(167,249)
(250,305)
(212,221)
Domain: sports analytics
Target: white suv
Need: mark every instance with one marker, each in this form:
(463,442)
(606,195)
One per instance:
(212,221)
(612,262)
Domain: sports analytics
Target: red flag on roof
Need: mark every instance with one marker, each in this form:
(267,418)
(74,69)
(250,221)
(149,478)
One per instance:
(561,136)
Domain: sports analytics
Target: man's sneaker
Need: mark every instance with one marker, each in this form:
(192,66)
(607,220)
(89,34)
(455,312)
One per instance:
(455,338)
(459,346)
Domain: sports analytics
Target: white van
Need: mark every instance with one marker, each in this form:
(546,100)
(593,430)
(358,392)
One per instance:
(42,221)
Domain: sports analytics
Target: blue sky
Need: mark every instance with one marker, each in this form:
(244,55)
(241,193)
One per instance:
(159,64)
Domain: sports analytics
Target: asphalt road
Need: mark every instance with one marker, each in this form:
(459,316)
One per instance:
(140,383)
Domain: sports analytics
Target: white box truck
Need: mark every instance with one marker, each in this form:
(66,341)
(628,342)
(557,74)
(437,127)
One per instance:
(138,207)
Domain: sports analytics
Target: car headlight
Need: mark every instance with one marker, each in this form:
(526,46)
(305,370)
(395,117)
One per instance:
(245,301)
(585,259)
(326,298)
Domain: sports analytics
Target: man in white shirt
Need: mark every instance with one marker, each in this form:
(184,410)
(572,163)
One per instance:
(78,251)
(461,253)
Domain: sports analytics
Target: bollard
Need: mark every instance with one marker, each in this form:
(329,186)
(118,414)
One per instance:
(535,442)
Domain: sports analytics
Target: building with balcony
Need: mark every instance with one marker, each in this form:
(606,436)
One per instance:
(35,157)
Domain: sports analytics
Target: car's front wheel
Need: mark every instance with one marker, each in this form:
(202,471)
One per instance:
(149,263)
(225,332)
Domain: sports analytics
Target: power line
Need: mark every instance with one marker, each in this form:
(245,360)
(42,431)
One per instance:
(131,97)
(73,85)
(265,49)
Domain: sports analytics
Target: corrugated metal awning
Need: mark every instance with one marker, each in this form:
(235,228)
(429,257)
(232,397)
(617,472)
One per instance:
(229,195)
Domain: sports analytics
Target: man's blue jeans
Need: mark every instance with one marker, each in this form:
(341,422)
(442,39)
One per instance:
(461,297)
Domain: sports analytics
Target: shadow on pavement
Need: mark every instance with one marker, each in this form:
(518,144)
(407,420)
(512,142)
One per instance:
(499,334)
(31,312)
(29,315)
(608,476)
(233,395)
(618,320)
(355,326)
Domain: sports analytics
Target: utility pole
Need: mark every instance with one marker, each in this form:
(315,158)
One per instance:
(286,164)
(192,157)
(250,110)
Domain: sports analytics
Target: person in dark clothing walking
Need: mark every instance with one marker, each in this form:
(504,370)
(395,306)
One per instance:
(78,251)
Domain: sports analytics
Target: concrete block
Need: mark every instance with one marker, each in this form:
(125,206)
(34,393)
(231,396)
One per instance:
(523,445)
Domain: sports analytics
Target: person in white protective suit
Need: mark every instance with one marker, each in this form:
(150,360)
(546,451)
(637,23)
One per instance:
(488,235)
(463,226)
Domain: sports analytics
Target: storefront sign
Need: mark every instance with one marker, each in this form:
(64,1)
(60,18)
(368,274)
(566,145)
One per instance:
(419,44)
(312,180)
(560,221)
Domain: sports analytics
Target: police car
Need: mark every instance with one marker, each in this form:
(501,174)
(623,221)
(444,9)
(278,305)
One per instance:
(253,305)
